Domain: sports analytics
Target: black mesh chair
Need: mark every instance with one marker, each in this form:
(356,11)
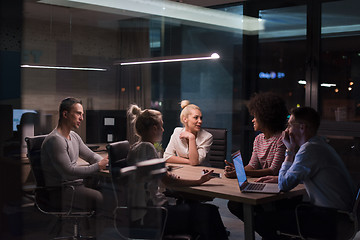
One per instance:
(48,200)
(346,224)
(117,152)
(123,176)
(217,153)
(139,221)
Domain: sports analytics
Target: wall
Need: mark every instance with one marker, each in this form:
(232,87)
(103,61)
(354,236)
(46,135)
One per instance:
(209,83)
(61,42)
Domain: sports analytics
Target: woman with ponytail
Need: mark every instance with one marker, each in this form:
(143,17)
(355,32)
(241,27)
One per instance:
(196,218)
(189,144)
(147,125)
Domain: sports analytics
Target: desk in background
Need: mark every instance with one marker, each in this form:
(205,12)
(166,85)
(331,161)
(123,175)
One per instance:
(99,148)
(227,188)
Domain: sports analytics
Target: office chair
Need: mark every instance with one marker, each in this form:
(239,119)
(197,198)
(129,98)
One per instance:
(150,170)
(347,223)
(131,220)
(48,200)
(217,153)
(117,152)
(122,177)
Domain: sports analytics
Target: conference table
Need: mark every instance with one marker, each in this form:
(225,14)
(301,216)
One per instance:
(227,188)
(224,188)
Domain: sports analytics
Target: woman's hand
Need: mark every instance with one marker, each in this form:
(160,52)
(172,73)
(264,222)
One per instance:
(193,155)
(187,135)
(268,179)
(206,177)
(229,171)
(173,176)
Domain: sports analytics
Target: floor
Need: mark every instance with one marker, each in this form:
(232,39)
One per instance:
(235,226)
(37,226)
(232,223)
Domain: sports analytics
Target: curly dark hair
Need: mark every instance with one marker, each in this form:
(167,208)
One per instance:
(270,110)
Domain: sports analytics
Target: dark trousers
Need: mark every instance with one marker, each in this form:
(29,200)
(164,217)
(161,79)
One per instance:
(198,219)
(85,199)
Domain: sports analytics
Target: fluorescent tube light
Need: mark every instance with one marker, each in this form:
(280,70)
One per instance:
(64,68)
(170,9)
(328,85)
(178,58)
(303,82)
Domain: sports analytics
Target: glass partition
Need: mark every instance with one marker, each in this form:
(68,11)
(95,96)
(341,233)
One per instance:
(77,50)
(84,50)
(339,95)
(89,52)
(282,53)
(340,60)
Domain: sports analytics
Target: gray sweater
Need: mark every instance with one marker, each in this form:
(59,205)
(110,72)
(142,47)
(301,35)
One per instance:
(59,159)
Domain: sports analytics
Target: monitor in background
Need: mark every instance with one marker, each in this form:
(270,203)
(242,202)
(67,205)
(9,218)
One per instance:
(105,126)
(17,114)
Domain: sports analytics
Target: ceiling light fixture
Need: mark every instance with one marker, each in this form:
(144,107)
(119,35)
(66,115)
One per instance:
(303,82)
(64,68)
(178,58)
(328,85)
(165,8)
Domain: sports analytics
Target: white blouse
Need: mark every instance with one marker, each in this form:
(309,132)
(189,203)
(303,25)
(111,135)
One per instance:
(180,147)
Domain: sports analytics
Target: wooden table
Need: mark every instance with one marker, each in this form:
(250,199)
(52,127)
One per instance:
(101,150)
(226,188)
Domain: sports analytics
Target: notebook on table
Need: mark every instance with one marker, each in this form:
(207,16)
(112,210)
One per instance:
(244,185)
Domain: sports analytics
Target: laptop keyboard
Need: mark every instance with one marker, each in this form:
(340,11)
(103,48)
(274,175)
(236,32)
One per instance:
(255,186)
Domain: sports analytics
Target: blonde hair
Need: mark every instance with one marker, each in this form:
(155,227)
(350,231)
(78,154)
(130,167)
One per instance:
(186,109)
(142,120)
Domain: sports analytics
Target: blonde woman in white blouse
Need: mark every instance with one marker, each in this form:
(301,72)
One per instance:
(190,144)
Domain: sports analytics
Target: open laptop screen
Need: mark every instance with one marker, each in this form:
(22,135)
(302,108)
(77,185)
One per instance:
(244,185)
(239,166)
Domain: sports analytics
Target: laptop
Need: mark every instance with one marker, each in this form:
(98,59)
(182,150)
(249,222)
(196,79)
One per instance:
(244,185)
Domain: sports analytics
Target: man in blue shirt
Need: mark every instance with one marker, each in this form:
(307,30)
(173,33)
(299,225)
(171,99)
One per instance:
(309,160)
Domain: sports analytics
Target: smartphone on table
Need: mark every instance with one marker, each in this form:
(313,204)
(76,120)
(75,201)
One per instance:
(214,174)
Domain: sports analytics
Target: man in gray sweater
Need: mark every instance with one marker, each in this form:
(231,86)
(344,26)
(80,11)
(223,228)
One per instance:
(59,155)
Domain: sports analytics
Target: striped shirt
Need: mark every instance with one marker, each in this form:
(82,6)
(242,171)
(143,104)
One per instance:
(268,153)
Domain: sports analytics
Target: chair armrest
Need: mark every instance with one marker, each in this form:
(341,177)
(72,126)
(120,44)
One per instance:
(49,199)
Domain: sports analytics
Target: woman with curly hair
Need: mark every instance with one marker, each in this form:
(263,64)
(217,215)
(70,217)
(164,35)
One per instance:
(270,116)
